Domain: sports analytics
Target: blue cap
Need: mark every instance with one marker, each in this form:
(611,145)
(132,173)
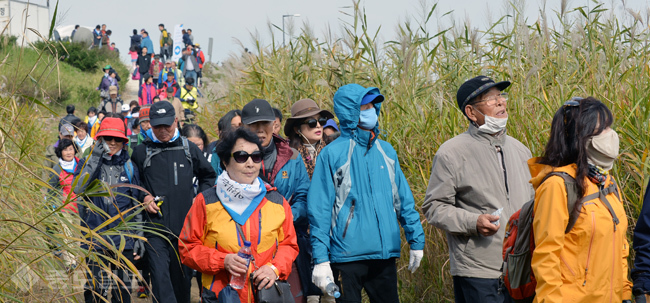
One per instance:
(374,98)
(331,123)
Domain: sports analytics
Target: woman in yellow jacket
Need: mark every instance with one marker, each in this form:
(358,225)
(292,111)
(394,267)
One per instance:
(589,263)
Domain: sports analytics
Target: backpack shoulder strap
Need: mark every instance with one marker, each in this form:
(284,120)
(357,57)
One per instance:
(572,197)
(150,152)
(186,148)
(128,167)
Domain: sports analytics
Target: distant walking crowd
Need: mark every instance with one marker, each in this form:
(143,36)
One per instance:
(323,206)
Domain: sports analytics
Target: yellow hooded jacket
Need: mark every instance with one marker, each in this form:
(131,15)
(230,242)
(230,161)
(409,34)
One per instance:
(589,264)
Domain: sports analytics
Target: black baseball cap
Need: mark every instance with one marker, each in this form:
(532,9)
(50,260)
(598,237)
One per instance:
(257,110)
(162,113)
(476,86)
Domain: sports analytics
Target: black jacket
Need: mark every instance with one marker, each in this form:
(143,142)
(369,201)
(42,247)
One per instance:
(170,175)
(144,63)
(70,119)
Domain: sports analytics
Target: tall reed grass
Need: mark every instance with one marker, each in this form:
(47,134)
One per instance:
(32,237)
(573,52)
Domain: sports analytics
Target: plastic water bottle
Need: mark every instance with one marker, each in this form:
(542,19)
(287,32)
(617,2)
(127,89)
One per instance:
(331,289)
(238,282)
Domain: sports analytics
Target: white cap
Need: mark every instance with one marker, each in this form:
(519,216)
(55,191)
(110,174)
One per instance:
(125,107)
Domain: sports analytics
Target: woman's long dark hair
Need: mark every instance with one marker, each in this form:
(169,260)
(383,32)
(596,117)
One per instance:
(224,123)
(571,128)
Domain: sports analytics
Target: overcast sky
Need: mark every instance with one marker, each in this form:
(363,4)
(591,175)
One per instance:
(226,20)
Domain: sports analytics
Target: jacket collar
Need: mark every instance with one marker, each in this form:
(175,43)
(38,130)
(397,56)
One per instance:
(496,140)
(284,154)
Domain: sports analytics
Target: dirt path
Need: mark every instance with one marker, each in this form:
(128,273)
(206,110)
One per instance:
(130,90)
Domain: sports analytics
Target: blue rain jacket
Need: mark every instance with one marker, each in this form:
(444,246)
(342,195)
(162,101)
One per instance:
(359,196)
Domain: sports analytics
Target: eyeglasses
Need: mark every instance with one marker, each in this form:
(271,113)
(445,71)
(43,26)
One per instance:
(242,156)
(312,122)
(492,100)
(111,138)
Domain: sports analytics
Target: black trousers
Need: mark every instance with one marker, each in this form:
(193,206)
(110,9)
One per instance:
(468,290)
(170,279)
(99,281)
(377,277)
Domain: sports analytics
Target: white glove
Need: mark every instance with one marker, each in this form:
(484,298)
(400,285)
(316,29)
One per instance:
(321,273)
(414,259)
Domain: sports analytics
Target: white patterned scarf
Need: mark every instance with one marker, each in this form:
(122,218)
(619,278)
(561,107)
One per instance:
(240,200)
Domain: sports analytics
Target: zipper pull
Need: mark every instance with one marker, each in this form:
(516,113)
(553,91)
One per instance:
(585,282)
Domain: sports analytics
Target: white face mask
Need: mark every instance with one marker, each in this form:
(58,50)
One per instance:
(602,149)
(492,125)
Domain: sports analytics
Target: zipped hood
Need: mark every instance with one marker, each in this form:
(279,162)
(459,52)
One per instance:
(539,171)
(347,104)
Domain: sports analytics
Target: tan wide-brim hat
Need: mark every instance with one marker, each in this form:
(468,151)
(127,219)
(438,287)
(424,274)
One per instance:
(302,109)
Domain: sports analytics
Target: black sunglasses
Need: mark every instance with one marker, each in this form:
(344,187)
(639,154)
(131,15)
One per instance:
(312,122)
(242,156)
(111,138)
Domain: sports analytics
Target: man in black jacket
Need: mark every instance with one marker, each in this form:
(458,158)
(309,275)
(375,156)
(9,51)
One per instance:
(144,63)
(70,118)
(167,164)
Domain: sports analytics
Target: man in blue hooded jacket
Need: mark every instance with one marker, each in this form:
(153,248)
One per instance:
(357,200)
(641,245)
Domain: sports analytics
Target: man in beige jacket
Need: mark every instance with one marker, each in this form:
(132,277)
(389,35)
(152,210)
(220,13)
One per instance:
(479,178)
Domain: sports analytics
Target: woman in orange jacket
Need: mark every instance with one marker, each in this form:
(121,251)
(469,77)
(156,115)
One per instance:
(209,240)
(589,263)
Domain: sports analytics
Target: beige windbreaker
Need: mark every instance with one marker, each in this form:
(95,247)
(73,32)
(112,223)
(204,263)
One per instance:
(473,174)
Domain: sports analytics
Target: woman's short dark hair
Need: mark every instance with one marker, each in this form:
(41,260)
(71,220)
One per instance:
(571,128)
(224,123)
(226,144)
(136,123)
(195,131)
(91,109)
(135,31)
(63,144)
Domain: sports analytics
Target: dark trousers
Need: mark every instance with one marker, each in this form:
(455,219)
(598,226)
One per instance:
(99,280)
(472,290)
(377,277)
(170,279)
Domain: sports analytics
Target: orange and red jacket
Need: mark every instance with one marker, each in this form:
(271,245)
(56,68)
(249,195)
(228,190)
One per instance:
(588,264)
(209,234)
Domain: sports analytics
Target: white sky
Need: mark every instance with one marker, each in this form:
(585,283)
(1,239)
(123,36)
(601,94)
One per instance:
(225,20)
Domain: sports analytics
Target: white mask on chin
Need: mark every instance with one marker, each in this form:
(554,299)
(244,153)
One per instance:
(493,125)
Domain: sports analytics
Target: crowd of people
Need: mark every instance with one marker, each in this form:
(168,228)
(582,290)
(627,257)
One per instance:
(324,202)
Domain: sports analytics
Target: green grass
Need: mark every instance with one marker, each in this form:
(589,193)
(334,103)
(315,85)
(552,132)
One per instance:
(584,53)
(55,82)
(34,87)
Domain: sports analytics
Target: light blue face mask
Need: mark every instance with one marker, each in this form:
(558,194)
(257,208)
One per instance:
(368,118)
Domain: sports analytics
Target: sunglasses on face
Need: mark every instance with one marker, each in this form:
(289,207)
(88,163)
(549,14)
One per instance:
(242,156)
(312,122)
(116,139)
